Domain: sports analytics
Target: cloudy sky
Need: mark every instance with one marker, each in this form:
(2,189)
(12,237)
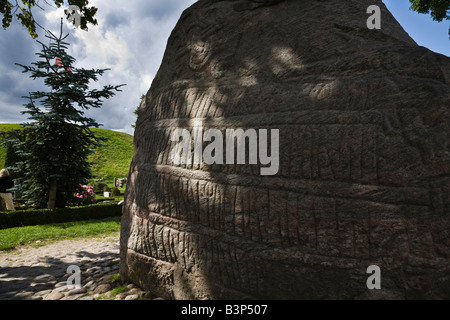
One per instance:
(130,39)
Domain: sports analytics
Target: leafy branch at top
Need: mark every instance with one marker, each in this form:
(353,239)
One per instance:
(438,9)
(23,12)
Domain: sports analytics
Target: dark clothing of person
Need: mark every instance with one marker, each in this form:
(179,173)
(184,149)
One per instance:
(5,184)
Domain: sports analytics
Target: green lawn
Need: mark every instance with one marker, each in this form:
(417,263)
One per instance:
(13,237)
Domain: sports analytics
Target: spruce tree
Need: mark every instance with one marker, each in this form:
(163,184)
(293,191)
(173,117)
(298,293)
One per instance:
(57,141)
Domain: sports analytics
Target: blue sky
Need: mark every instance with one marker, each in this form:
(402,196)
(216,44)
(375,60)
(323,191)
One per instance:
(131,40)
(421,27)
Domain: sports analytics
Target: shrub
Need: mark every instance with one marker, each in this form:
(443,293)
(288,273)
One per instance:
(115,192)
(99,187)
(20,218)
(85,195)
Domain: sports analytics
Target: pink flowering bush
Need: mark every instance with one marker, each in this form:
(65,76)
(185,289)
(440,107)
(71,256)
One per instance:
(85,195)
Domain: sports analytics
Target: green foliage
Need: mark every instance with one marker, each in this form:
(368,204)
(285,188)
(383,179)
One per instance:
(18,218)
(8,154)
(24,13)
(58,140)
(115,192)
(85,195)
(116,277)
(119,289)
(4,136)
(136,111)
(110,160)
(99,187)
(438,9)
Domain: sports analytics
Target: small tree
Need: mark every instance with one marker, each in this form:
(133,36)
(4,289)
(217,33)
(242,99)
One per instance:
(136,111)
(58,141)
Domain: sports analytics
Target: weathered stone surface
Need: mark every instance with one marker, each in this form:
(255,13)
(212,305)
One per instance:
(76,291)
(102,288)
(44,278)
(55,295)
(364,161)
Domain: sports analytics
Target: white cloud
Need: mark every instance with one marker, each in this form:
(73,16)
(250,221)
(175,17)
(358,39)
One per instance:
(130,39)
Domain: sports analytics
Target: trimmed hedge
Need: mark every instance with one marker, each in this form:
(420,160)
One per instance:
(21,218)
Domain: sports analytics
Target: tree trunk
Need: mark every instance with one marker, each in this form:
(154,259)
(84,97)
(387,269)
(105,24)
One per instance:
(52,196)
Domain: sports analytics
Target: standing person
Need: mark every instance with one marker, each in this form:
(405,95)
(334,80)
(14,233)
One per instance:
(6,182)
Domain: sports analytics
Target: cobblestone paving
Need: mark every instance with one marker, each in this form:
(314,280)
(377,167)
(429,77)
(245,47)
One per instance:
(41,273)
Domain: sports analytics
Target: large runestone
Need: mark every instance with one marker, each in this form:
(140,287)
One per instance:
(364,156)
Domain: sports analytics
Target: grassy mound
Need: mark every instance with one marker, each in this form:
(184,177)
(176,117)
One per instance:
(110,161)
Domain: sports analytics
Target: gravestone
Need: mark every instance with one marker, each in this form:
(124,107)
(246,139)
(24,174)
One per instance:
(363,148)
(118,182)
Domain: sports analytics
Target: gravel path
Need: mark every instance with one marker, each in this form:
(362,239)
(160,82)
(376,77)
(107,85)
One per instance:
(42,273)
